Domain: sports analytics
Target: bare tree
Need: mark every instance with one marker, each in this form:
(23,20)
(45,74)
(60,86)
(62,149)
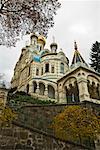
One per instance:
(19,17)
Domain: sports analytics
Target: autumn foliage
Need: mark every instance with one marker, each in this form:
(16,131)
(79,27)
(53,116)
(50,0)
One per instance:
(19,17)
(6,115)
(76,122)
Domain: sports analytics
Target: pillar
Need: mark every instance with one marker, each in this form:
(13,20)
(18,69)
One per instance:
(62,96)
(31,88)
(56,94)
(46,90)
(83,90)
(37,90)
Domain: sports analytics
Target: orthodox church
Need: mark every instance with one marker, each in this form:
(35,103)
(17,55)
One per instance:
(46,74)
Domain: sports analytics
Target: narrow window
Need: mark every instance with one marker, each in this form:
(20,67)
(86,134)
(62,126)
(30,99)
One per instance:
(46,67)
(52,69)
(29,71)
(27,89)
(61,68)
(42,71)
(37,71)
(40,48)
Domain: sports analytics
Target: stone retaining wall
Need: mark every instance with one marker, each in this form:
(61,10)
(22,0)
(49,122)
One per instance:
(19,138)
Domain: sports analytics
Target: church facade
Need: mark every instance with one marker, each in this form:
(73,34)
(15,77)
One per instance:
(46,74)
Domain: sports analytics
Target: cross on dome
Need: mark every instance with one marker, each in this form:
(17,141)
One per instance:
(75,45)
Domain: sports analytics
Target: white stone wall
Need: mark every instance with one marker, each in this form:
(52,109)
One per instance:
(81,76)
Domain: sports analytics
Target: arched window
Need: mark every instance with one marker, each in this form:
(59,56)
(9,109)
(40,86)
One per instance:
(37,72)
(61,68)
(47,67)
(93,90)
(72,93)
(51,92)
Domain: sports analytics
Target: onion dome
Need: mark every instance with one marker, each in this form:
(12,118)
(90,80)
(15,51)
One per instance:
(34,35)
(36,58)
(53,45)
(34,39)
(41,39)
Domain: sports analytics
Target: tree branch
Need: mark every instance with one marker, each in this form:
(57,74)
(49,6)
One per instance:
(5,2)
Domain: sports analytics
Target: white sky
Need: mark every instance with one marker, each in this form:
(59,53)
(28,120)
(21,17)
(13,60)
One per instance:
(76,20)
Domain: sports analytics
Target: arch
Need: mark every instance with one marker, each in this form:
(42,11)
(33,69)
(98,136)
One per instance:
(42,88)
(34,86)
(27,89)
(93,78)
(70,87)
(62,68)
(51,92)
(70,80)
(72,93)
(93,87)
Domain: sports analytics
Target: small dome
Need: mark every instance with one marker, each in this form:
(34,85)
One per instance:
(36,58)
(53,44)
(34,35)
(41,38)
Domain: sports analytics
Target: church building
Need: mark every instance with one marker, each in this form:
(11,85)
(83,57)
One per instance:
(46,74)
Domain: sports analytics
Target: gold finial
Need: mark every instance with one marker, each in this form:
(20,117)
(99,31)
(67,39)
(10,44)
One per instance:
(75,45)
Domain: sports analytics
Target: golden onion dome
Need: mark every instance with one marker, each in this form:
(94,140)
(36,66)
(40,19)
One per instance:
(42,38)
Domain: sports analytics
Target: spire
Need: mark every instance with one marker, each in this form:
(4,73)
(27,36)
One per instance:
(75,45)
(77,58)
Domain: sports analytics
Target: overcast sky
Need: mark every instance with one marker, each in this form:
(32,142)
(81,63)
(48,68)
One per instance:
(76,20)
